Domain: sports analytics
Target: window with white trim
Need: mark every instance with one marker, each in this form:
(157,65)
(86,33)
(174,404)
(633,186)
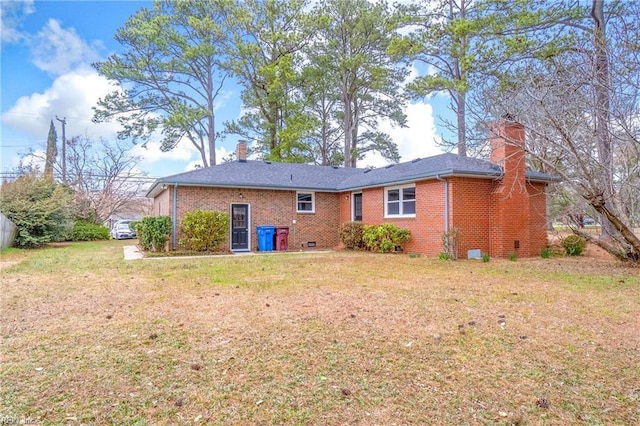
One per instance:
(400,201)
(306,202)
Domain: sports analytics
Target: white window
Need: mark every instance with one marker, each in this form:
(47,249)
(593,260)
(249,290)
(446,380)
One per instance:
(400,201)
(306,202)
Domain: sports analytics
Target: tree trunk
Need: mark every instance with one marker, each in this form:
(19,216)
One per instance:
(602,107)
(211,121)
(598,202)
(354,133)
(462,126)
(460,75)
(347,124)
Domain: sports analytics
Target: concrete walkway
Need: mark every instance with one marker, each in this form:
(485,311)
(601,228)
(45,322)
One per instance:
(132,253)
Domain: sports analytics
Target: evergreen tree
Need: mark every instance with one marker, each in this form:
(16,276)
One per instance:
(171,67)
(52,151)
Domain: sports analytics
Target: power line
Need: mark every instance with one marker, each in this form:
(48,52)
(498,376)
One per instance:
(132,179)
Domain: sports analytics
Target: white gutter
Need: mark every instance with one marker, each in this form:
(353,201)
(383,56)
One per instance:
(175,216)
(446,212)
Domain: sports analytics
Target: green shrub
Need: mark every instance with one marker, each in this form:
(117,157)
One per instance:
(384,238)
(545,253)
(574,245)
(485,257)
(153,232)
(204,230)
(89,231)
(351,235)
(445,256)
(513,256)
(40,208)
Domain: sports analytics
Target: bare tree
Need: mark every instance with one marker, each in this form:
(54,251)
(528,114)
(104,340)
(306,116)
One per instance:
(582,115)
(104,177)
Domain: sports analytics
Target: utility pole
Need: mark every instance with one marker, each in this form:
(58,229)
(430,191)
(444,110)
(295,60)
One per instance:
(64,149)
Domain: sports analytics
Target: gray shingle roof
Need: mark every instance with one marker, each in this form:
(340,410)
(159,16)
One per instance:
(272,175)
(430,167)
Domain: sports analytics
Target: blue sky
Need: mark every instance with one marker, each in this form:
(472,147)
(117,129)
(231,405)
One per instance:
(46,56)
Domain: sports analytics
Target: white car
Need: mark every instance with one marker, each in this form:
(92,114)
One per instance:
(121,230)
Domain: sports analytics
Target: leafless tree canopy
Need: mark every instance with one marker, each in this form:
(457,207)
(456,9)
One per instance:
(582,114)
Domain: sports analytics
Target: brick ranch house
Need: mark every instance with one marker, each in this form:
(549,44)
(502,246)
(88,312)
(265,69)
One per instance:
(497,206)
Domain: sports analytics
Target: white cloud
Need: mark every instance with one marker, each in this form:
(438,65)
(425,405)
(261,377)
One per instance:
(151,154)
(35,161)
(183,158)
(12,13)
(418,140)
(58,50)
(71,95)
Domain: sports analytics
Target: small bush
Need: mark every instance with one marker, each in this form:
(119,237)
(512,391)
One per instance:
(485,257)
(445,256)
(384,238)
(546,252)
(40,208)
(513,256)
(413,255)
(89,231)
(153,232)
(204,230)
(574,245)
(351,235)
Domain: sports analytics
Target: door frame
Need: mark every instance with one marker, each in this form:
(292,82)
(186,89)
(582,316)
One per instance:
(353,204)
(248,227)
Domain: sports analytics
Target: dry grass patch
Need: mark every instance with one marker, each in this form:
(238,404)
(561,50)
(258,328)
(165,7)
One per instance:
(339,338)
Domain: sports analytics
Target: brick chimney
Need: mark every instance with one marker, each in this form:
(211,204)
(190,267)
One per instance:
(507,148)
(510,204)
(241,151)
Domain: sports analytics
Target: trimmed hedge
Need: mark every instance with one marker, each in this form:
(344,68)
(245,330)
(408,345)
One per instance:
(153,232)
(84,230)
(385,238)
(204,230)
(351,235)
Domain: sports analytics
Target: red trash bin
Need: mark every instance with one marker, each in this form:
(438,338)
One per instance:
(282,238)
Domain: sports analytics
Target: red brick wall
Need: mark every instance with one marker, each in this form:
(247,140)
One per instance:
(162,203)
(490,215)
(428,225)
(270,207)
(493,216)
(510,201)
(345,207)
(509,220)
(470,212)
(537,218)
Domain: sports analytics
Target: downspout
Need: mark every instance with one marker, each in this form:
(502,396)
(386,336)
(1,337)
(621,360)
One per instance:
(446,212)
(175,216)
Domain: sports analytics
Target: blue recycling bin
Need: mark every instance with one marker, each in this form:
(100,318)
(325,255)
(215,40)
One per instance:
(265,237)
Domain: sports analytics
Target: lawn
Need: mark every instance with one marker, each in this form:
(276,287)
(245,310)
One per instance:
(316,339)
